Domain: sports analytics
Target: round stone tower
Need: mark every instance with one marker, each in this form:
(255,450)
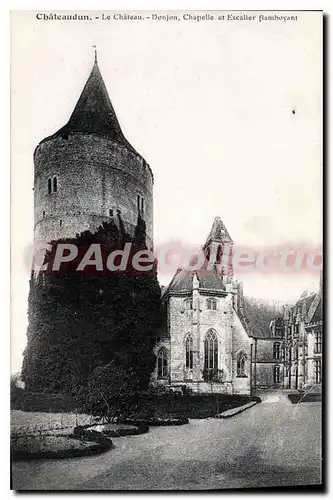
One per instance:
(88,173)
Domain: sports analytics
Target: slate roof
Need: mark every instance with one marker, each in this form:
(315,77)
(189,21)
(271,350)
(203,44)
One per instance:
(183,281)
(218,233)
(307,300)
(318,315)
(94,113)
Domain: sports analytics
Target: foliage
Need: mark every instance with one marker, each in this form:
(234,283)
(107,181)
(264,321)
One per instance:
(80,321)
(16,393)
(111,392)
(212,375)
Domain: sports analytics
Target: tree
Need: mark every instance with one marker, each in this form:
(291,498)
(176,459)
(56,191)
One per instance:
(110,392)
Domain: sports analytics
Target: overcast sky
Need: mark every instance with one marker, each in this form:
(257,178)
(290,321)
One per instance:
(210,107)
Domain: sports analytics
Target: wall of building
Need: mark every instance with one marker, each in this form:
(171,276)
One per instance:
(232,338)
(241,342)
(94,175)
(263,371)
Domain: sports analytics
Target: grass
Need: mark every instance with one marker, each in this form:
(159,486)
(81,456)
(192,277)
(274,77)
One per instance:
(29,423)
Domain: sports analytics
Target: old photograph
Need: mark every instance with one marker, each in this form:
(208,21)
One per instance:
(166,250)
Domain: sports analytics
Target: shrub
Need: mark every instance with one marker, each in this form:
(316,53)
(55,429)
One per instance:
(110,393)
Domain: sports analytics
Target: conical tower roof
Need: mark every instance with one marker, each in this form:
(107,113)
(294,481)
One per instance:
(218,233)
(94,113)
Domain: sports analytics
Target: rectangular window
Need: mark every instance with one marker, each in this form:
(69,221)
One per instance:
(49,186)
(276,374)
(317,369)
(43,214)
(188,304)
(111,212)
(60,222)
(142,206)
(138,202)
(318,342)
(276,351)
(55,184)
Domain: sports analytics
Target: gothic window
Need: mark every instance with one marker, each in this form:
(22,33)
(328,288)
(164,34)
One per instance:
(318,342)
(276,374)
(189,352)
(49,186)
(188,304)
(276,350)
(142,206)
(317,370)
(43,214)
(211,351)
(138,203)
(212,304)
(162,363)
(241,361)
(60,222)
(55,184)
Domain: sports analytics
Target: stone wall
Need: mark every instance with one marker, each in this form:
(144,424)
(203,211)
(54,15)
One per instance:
(265,363)
(94,175)
(232,338)
(241,343)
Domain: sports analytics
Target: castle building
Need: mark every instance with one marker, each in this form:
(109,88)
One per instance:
(303,342)
(87,172)
(212,338)
(204,344)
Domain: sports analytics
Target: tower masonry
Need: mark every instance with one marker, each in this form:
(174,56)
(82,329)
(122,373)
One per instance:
(88,173)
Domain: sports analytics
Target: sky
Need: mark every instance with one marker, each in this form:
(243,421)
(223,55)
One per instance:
(210,107)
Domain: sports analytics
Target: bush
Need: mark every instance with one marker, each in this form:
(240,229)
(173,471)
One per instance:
(111,393)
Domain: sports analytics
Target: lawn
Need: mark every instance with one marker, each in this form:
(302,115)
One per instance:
(23,423)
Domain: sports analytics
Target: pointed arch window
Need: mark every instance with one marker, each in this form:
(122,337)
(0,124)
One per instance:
(241,365)
(49,186)
(211,351)
(55,184)
(189,352)
(162,363)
